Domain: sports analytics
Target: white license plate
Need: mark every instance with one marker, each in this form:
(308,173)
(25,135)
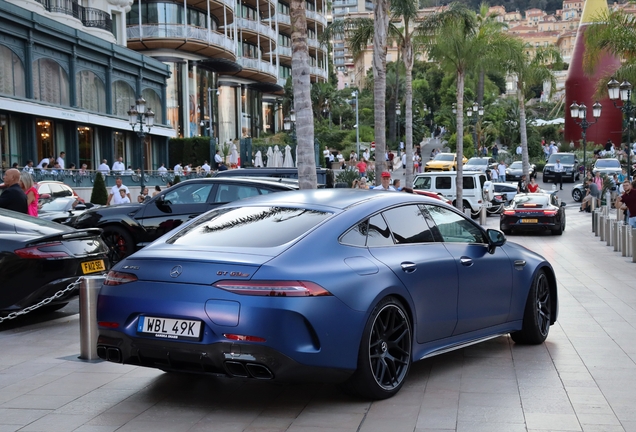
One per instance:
(168,328)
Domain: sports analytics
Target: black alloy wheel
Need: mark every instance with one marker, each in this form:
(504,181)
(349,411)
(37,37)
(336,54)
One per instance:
(119,242)
(384,358)
(537,314)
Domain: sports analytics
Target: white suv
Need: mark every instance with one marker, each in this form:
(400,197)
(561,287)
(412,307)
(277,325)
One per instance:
(446,184)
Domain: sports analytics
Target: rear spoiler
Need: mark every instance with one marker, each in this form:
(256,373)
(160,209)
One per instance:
(76,234)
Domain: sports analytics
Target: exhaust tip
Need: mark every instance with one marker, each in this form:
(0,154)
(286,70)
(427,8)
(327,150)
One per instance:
(113,355)
(236,369)
(259,371)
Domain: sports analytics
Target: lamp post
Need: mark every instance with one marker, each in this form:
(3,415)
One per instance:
(211,123)
(354,94)
(397,121)
(479,112)
(580,112)
(289,124)
(137,117)
(624,90)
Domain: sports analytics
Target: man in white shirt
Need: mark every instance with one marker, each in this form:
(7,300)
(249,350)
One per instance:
(519,150)
(218,159)
(45,160)
(115,196)
(177,169)
(118,166)
(60,160)
(558,173)
(205,167)
(162,169)
(28,167)
(385,182)
(366,155)
(104,168)
(501,170)
(325,154)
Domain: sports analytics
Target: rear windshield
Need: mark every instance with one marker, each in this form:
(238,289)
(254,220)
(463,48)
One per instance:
(566,159)
(444,157)
(249,227)
(517,164)
(531,200)
(608,163)
(477,161)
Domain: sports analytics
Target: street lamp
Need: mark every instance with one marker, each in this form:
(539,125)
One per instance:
(354,94)
(479,112)
(580,112)
(397,113)
(624,90)
(289,124)
(137,117)
(211,122)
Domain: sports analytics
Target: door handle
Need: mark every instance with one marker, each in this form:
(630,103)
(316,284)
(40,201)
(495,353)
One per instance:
(466,261)
(408,267)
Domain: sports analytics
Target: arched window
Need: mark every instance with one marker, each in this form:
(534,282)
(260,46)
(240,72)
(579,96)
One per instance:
(153,101)
(50,82)
(11,73)
(123,98)
(91,94)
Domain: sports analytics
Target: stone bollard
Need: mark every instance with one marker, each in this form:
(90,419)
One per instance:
(608,231)
(597,221)
(601,226)
(624,237)
(483,215)
(616,242)
(608,202)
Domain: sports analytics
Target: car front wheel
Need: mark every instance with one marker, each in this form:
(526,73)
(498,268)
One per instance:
(537,313)
(384,357)
(577,195)
(119,242)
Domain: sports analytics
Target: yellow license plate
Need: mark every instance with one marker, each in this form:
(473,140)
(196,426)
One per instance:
(529,220)
(93,266)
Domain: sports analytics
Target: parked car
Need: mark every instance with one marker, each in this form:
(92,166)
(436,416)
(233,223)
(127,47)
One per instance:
(435,195)
(607,166)
(243,290)
(443,162)
(570,165)
(445,183)
(63,210)
(40,258)
(322,174)
(49,190)
(480,164)
(129,227)
(532,212)
(507,189)
(515,171)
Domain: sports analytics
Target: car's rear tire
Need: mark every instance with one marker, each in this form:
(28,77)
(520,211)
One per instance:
(577,195)
(537,313)
(119,242)
(384,357)
(50,308)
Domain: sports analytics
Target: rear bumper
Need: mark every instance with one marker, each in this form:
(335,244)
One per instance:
(237,360)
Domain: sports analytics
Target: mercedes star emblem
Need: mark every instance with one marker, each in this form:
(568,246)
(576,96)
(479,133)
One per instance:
(176,271)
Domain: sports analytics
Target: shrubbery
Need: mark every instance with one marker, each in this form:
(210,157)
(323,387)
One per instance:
(99,194)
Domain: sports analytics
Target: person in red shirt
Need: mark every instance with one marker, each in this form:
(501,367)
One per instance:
(533,186)
(627,201)
(362,168)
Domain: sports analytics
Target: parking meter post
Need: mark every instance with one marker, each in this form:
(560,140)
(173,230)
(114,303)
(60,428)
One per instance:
(89,290)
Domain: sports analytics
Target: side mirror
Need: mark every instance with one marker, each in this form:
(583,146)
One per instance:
(495,239)
(562,204)
(80,207)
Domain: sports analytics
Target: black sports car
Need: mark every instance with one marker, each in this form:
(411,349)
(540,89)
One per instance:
(515,171)
(128,227)
(534,211)
(63,210)
(38,258)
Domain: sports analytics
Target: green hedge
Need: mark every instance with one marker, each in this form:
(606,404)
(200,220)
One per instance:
(193,150)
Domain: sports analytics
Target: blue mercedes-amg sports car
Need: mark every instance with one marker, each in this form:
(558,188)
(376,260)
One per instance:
(346,285)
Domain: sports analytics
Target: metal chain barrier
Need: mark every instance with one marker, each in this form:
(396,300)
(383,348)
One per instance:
(46,301)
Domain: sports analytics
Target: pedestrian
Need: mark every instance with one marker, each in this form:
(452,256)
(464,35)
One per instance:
(533,186)
(519,151)
(341,160)
(157,190)
(501,168)
(386,182)
(13,197)
(495,151)
(362,168)
(44,160)
(29,167)
(162,169)
(177,169)
(494,175)
(591,192)
(104,168)
(115,195)
(61,161)
(627,201)
(396,185)
(522,185)
(123,197)
(390,158)
(143,196)
(118,166)
(558,173)
(598,180)
(206,167)
(27,185)
(325,154)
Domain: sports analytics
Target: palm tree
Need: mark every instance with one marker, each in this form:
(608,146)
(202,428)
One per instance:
(531,69)
(614,33)
(381,17)
(488,26)
(302,97)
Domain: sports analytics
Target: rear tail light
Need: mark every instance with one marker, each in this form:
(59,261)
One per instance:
(108,324)
(550,212)
(42,251)
(273,288)
(509,212)
(119,278)
(243,338)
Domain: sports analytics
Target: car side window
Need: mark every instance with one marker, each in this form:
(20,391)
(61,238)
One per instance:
(188,194)
(408,225)
(443,182)
(469,183)
(357,235)
(230,192)
(378,232)
(422,183)
(453,227)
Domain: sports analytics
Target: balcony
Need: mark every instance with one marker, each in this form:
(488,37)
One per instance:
(344,3)
(90,17)
(257,65)
(285,51)
(314,43)
(180,32)
(282,81)
(318,17)
(282,19)
(314,70)
(257,27)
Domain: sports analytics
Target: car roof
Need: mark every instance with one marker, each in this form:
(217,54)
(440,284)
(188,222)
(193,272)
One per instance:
(339,199)
(267,181)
